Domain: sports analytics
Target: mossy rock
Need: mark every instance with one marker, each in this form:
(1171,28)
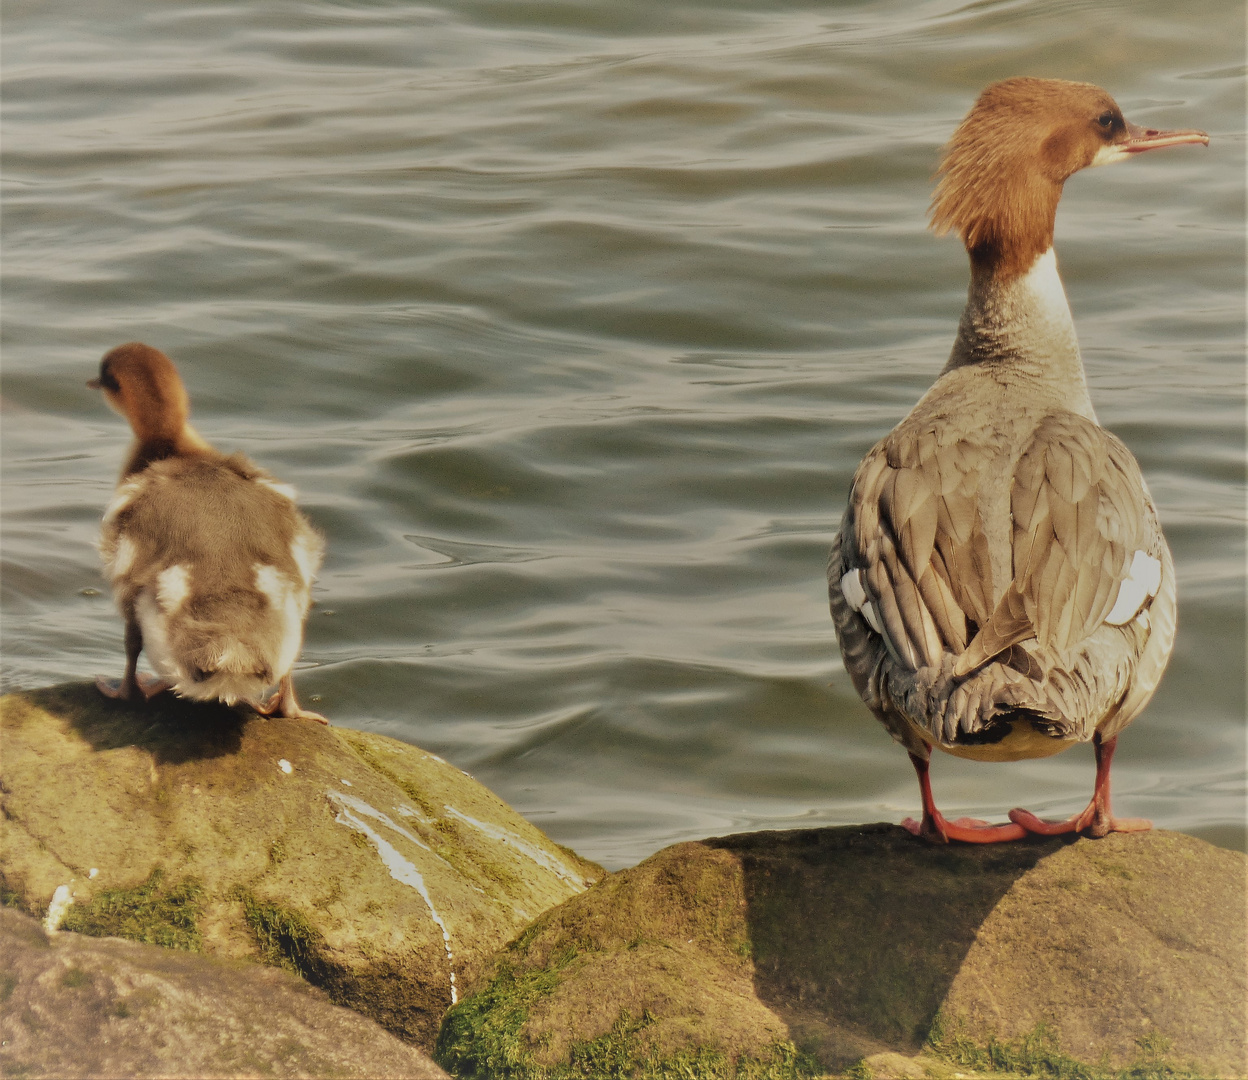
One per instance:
(370,867)
(76,1006)
(863,951)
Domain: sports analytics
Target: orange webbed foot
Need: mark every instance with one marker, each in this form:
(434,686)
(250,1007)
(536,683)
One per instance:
(935,829)
(1096,818)
(1098,825)
(967,830)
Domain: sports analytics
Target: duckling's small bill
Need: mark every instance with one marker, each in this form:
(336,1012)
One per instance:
(210,561)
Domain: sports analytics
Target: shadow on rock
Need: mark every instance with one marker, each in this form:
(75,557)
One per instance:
(172,729)
(867,925)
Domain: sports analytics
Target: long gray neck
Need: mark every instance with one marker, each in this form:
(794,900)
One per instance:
(1020,332)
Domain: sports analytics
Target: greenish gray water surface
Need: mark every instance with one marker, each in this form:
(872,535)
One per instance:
(570,321)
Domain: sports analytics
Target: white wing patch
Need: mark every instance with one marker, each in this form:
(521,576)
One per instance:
(1138,587)
(869,613)
(855,595)
(173,586)
(851,588)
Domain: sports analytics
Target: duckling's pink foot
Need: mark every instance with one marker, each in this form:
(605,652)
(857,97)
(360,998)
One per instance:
(935,829)
(141,688)
(284,704)
(1096,817)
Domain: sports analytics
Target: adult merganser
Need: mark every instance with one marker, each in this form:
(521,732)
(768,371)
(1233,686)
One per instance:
(1000,584)
(211,563)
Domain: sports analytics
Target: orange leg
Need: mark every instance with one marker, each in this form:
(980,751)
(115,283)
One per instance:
(937,830)
(1096,817)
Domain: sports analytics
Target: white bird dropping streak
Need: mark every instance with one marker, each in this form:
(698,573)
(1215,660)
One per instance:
(506,836)
(361,807)
(61,899)
(401,869)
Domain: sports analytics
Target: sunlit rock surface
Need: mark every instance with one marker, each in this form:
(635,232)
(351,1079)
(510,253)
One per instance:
(862,948)
(78,1006)
(375,870)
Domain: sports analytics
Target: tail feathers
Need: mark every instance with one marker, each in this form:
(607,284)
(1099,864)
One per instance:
(232,658)
(223,671)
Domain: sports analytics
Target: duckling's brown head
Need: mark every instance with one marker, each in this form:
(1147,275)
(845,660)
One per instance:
(1001,174)
(143,385)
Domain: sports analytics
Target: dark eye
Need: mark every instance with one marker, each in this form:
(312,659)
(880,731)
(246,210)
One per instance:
(108,380)
(1106,119)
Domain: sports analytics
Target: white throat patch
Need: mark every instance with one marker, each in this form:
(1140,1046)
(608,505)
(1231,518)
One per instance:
(1045,284)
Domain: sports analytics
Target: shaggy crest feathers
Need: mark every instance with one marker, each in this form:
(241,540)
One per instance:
(1001,175)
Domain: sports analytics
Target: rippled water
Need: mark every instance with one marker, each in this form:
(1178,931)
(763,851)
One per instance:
(570,321)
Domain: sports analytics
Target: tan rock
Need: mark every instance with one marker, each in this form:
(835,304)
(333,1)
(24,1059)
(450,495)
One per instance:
(892,1066)
(375,870)
(858,942)
(79,1006)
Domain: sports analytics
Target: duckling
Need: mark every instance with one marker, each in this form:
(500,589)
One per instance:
(1000,585)
(210,562)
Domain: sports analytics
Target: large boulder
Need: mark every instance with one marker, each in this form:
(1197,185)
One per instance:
(373,869)
(787,954)
(76,1006)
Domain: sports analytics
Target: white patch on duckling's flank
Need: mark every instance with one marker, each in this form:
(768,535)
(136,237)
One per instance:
(542,858)
(173,586)
(1139,586)
(57,909)
(269,581)
(290,604)
(306,551)
(124,495)
(155,629)
(286,766)
(400,868)
(286,491)
(123,559)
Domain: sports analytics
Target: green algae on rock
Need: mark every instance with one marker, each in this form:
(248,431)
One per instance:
(376,870)
(153,912)
(839,949)
(77,1006)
